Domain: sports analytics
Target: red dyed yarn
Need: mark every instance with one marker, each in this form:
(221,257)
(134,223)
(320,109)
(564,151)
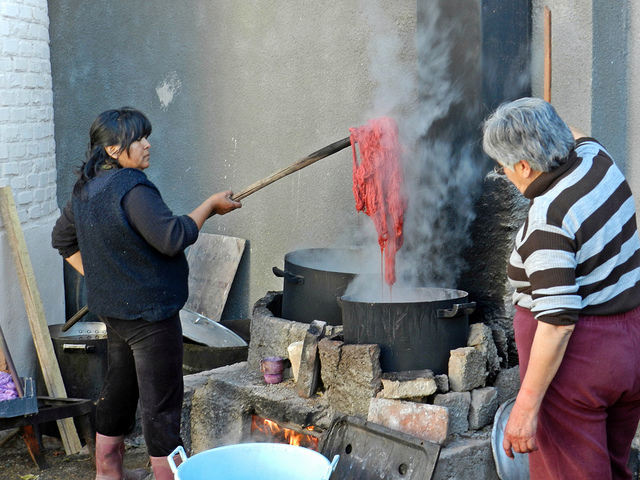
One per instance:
(378,185)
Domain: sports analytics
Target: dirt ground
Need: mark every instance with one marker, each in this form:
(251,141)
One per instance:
(16,464)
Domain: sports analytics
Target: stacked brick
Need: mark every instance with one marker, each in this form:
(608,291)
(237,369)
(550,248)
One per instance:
(436,408)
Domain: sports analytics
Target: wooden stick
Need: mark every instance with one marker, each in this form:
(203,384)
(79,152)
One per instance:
(547,55)
(35,313)
(73,320)
(300,164)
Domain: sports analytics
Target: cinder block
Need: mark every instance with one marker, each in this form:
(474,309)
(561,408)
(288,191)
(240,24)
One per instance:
(351,375)
(481,338)
(309,370)
(467,369)
(409,384)
(508,384)
(442,382)
(467,459)
(484,404)
(422,420)
(457,403)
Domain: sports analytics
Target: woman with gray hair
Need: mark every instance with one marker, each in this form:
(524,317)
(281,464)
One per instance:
(575,269)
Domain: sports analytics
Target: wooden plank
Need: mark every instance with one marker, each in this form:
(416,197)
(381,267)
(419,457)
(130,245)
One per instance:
(35,313)
(213,263)
(3,363)
(547,55)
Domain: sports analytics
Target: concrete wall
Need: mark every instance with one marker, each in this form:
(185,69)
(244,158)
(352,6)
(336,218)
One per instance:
(235,91)
(595,75)
(27,164)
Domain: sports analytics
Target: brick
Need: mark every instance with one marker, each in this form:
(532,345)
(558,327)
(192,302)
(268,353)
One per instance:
(484,404)
(467,369)
(457,403)
(409,384)
(428,422)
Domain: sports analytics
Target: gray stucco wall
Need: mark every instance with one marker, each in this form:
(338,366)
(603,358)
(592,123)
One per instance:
(235,91)
(595,73)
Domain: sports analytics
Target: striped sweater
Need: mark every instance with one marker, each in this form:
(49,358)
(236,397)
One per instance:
(578,251)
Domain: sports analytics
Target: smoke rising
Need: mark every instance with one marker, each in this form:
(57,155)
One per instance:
(438,125)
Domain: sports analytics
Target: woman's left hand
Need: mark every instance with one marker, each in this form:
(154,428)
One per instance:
(520,432)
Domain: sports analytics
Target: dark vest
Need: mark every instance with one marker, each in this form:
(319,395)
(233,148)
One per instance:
(125,277)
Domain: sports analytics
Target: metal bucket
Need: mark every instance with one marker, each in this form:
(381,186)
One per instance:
(253,461)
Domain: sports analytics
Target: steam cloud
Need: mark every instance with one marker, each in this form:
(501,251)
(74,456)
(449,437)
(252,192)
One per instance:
(442,169)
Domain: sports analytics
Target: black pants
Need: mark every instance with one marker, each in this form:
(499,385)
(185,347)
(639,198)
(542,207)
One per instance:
(145,362)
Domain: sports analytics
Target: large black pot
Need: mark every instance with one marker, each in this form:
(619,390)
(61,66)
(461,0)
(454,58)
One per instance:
(415,331)
(314,279)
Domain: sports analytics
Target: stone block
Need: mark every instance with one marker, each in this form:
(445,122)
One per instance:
(484,404)
(508,384)
(467,369)
(481,338)
(428,422)
(467,459)
(409,384)
(351,375)
(309,370)
(457,403)
(442,382)
(271,335)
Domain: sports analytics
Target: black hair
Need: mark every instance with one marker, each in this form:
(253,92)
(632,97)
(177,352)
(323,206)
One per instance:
(122,127)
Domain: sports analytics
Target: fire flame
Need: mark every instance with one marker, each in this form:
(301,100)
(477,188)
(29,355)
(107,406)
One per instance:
(280,434)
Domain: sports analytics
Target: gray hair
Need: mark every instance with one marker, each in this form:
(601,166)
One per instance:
(527,129)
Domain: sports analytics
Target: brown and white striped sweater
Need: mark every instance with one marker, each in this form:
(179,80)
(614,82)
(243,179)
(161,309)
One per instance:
(578,251)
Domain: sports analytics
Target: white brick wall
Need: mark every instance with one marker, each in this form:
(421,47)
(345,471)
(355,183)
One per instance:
(27,147)
(27,164)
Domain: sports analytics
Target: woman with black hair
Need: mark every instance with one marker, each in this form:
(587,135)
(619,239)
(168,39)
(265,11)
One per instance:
(117,231)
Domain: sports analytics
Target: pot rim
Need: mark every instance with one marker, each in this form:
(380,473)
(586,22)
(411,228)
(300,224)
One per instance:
(408,295)
(328,260)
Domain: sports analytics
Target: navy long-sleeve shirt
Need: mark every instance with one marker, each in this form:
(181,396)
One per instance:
(132,246)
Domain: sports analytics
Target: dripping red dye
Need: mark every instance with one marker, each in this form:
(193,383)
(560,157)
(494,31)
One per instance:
(378,185)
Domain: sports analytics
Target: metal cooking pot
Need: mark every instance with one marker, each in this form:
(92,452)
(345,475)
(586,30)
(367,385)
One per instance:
(314,278)
(81,352)
(415,330)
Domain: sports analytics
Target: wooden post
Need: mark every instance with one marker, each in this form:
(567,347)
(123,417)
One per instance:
(547,55)
(35,313)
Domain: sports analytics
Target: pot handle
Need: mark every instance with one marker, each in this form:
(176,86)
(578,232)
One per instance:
(458,309)
(331,468)
(170,458)
(78,348)
(288,276)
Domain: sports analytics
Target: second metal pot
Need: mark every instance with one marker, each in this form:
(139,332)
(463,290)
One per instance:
(314,278)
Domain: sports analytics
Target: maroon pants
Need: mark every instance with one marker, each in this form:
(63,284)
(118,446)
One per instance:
(590,412)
